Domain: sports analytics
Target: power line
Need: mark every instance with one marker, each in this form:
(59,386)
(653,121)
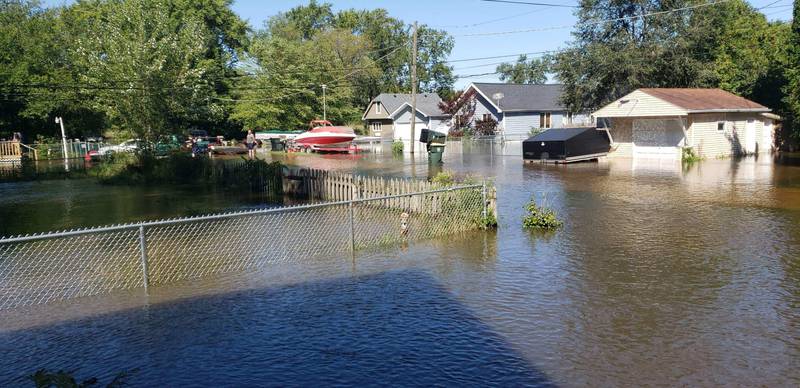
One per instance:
(532,3)
(594,22)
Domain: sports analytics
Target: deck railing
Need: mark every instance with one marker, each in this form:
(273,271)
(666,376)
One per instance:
(48,267)
(10,150)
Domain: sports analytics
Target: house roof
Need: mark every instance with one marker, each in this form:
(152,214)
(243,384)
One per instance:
(523,97)
(427,103)
(699,100)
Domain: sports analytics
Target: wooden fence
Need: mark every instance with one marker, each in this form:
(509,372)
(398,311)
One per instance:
(325,185)
(10,151)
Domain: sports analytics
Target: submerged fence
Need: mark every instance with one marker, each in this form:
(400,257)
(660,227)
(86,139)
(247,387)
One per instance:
(56,266)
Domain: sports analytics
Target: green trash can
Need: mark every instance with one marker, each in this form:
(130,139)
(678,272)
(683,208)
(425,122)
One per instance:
(435,152)
(276,144)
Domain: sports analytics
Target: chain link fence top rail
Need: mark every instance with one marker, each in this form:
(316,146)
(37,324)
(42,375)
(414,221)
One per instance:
(48,267)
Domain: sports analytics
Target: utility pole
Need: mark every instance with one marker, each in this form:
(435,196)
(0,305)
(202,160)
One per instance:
(413,88)
(60,120)
(324,103)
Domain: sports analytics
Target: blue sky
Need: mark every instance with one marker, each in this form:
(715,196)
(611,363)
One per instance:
(463,17)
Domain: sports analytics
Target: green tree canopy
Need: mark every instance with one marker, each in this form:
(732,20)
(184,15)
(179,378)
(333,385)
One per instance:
(524,71)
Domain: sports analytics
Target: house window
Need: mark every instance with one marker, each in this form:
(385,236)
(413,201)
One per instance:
(544,120)
(487,117)
(721,126)
(376,129)
(378,107)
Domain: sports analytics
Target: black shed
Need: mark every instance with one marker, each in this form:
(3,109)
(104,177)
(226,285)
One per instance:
(564,145)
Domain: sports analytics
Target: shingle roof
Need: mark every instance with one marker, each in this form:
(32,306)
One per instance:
(427,103)
(524,97)
(703,99)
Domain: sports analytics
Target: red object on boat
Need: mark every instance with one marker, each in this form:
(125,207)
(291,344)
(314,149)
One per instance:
(322,132)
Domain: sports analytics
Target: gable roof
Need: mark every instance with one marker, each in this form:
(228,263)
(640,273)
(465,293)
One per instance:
(704,100)
(427,103)
(522,97)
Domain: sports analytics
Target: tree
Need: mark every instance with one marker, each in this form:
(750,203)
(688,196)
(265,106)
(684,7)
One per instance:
(146,69)
(357,53)
(610,59)
(461,107)
(792,90)
(525,71)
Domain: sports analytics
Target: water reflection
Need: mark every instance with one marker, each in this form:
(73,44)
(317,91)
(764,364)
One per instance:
(661,275)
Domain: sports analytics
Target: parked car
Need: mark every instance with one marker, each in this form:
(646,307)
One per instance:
(126,146)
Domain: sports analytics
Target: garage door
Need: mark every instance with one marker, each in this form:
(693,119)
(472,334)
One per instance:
(657,139)
(402,131)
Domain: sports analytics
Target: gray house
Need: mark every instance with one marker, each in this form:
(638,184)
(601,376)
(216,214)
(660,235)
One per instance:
(520,108)
(389,115)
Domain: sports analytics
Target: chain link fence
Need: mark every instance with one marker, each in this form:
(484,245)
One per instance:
(55,266)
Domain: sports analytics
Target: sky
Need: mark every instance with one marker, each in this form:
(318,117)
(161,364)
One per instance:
(463,17)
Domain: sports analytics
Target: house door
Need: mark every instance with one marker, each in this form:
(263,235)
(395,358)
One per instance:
(750,137)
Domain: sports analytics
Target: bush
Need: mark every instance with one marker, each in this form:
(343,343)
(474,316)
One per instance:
(397,147)
(688,155)
(540,217)
(485,127)
(443,178)
(489,221)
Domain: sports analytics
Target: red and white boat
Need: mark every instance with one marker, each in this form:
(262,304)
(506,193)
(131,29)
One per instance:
(323,133)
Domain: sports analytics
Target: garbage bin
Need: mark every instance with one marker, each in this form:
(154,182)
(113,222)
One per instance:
(276,144)
(435,152)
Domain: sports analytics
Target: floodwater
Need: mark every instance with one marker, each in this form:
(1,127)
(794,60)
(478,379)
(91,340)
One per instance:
(662,275)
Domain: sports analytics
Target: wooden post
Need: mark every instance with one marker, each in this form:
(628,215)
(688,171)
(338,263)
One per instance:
(413,87)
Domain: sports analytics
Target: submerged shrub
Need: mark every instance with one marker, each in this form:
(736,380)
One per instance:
(397,147)
(688,155)
(540,217)
(443,178)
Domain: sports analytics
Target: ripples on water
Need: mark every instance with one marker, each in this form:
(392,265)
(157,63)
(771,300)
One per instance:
(661,276)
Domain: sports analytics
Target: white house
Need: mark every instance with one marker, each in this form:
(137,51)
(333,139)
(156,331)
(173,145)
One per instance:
(659,122)
(389,115)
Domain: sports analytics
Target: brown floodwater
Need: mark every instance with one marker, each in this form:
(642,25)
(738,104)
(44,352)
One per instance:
(662,275)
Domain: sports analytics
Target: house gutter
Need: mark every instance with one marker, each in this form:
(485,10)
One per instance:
(745,110)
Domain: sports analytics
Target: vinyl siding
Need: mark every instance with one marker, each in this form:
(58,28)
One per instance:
(482,107)
(370,113)
(639,104)
(710,143)
(520,124)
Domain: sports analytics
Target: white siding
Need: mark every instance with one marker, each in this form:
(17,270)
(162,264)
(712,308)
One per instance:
(639,104)
(711,143)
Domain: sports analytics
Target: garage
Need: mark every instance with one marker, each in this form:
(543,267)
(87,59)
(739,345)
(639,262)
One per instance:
(658,123)
(657,138)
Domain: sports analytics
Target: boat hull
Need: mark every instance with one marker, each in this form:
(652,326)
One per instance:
(326,139)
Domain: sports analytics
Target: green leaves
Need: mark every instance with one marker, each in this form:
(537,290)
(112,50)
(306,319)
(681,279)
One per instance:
(524,71)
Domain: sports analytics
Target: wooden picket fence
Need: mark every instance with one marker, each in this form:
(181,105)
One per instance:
(322,185)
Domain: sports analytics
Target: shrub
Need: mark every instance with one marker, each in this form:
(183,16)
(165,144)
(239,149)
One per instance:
(397,147)
(540,217)
(485,127)
(688,155)
(487,222)
(443,178)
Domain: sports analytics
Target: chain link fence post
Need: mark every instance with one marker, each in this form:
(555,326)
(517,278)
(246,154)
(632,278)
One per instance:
(143,251)
(483,196)
(352,229)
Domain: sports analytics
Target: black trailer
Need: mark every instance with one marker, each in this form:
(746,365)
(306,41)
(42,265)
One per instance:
(565,145)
